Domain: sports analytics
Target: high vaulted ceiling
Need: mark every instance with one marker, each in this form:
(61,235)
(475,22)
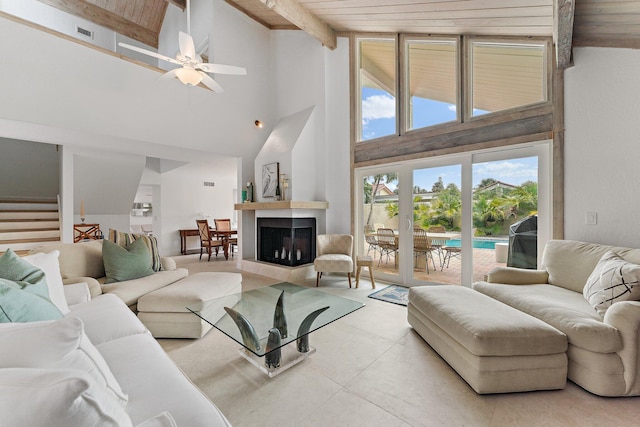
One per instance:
(597,22)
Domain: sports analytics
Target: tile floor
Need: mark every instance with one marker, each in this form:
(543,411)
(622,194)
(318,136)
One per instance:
(370,369)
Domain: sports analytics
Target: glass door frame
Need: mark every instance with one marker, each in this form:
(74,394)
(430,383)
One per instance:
(541,149)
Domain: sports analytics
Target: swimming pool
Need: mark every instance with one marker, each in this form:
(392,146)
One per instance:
(480,242)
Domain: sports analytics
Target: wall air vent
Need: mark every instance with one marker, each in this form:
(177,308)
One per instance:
(209,184)
(84,32)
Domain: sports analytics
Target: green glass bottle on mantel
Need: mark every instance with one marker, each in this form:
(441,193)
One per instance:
(278,191)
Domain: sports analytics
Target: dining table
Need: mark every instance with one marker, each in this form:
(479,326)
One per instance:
(224,234)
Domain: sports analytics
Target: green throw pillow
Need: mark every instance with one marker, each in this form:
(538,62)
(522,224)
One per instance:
(24,295)
(130,262)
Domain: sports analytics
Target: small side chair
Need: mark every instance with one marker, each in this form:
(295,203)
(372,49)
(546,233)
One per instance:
(334,254)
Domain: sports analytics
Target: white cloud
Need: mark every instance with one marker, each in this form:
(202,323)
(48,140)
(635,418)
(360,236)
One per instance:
(378,107)
(452,107)
(511,172)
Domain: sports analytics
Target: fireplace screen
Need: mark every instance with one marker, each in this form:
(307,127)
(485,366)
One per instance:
(287,241)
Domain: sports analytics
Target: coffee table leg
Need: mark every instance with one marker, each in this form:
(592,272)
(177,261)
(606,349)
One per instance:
(303,331)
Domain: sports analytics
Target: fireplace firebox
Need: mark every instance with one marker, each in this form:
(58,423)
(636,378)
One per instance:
(286,241)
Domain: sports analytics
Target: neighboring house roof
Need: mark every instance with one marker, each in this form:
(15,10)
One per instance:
(383,190)
(495,186)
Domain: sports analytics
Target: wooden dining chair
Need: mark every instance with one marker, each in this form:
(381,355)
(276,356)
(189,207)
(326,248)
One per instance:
(225,225)
(208,240)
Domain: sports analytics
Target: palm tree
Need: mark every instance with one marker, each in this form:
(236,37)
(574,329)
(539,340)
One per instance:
(377,179)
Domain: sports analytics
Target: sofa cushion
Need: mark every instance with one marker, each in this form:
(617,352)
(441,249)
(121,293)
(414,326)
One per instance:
(24,294)
(125,263)
(190,290)
(125,239)
(60,344)
(56,397)
(156,384)
(82,259)
(130,290)
(569,263)
(561,308)
(107,318)
(612,280)
(49,264)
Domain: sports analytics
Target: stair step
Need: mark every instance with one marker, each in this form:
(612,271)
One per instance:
(26,224)
(25,244)
(13,215)
(20,252)
(31,240)
(12,235)
(36,200)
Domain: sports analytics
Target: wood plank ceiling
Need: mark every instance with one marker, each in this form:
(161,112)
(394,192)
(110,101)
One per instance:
(614,23)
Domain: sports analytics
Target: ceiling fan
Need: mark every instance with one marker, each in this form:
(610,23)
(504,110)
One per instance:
(192,70)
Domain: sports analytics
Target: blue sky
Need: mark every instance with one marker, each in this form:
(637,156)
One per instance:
(512,171)
(378,119)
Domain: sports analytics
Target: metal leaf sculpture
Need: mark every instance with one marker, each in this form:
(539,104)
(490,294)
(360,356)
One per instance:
(279,318)
(273,351)
(303,331)
(249,336)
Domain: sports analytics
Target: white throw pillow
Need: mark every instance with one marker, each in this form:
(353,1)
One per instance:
(50,265)
(56,397)
(163,419)
(60,344)
(612,280)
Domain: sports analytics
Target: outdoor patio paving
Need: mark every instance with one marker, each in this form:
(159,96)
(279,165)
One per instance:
(483,261)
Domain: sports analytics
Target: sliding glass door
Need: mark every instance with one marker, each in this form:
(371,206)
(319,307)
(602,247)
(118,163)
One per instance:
(456,217)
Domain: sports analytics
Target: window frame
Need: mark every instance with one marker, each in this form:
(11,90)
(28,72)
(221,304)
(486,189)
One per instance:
(356,90)
(405,96)
(468,72)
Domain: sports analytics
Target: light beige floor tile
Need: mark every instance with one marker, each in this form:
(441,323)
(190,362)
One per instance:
(370,369)
(347,410)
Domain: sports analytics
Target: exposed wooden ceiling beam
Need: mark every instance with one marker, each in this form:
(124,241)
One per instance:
(182,4)
(305,20)
(107,19)
(563,13)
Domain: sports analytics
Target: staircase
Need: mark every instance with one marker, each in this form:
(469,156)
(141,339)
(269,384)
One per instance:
(27,223)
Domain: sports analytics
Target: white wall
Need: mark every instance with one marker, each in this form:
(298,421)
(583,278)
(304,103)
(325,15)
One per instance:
(602,146)
(184,198)
(28,169)
(337,147)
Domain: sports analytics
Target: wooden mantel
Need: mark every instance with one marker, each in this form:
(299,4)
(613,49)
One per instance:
(285,204)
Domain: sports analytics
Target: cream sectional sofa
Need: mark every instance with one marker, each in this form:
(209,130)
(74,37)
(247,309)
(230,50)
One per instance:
(82,262)
(156,391)
(603,350)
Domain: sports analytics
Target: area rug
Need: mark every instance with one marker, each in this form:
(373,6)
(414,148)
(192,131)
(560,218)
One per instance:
(393,293)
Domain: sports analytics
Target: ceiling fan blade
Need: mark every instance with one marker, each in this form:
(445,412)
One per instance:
(187,47)
(168,75)
(210,83)
(148,52)
(222,69)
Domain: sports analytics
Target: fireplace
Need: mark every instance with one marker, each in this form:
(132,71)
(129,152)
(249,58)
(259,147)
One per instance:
(286,241)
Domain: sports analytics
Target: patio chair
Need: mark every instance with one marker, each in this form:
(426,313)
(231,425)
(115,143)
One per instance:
(450,251)
(207,238)
(387,243)
(370,238)
(422,247)
(438,244)
(334,255)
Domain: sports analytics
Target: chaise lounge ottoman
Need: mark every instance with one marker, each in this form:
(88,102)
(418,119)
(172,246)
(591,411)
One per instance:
(494,347)
(164,311)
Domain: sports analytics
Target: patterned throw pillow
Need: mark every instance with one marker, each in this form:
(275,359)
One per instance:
(125,239)
(612,280)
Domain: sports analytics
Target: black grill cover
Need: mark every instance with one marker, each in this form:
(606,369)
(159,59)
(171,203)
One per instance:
(523,243)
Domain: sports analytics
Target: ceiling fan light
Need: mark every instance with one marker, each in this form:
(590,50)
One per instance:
(189,76)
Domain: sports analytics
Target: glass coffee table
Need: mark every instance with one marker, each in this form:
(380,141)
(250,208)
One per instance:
(265,320)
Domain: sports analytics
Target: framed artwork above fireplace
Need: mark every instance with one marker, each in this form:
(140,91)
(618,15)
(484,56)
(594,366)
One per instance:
(270,175)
